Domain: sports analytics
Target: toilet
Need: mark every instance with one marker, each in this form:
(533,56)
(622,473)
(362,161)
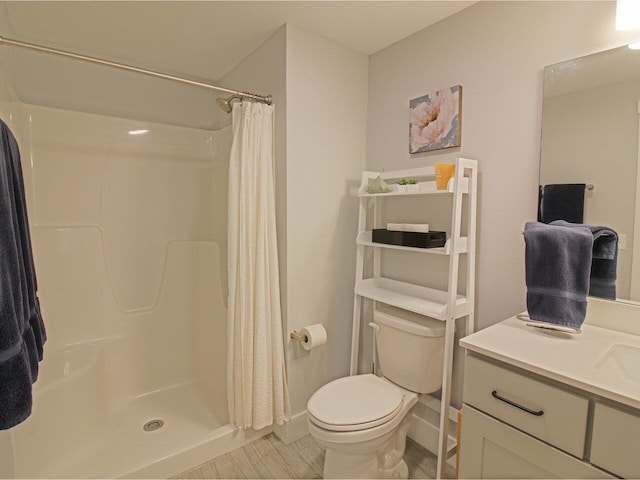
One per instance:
(362,420)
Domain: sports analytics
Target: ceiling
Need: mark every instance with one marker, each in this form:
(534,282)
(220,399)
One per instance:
(206,39)
(199,40)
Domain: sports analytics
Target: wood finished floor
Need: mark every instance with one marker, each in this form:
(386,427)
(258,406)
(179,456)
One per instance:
(268,457)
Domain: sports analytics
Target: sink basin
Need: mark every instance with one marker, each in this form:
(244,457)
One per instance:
(623,359)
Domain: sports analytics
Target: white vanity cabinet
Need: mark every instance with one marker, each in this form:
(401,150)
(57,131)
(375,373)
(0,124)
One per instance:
(518,426)
(615,442)
(540,405)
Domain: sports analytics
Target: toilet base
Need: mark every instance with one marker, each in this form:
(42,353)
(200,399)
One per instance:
(377,458)
(374,452)
(401,470)
(360,466)
(337,465)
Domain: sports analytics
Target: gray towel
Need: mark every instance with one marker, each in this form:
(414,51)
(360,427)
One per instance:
(564,201)
(602,282)
(557,262)
(22,333)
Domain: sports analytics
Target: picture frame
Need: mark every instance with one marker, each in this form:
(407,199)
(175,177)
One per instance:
(435,120)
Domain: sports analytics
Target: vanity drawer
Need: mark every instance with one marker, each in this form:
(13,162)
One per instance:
(544,411)
(616,435)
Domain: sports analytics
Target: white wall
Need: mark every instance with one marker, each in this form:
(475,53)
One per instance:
(497,52)
(326,138)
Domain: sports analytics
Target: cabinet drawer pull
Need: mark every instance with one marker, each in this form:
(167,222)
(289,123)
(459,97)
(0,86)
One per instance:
(538,413)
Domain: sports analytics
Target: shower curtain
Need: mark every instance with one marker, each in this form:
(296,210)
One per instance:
(257,384)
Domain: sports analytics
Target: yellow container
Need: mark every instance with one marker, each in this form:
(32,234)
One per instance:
(444,171)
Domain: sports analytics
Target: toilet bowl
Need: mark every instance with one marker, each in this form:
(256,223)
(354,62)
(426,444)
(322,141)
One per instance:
(364,437)
(362,420)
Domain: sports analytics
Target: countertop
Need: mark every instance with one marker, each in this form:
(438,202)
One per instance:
(585,360)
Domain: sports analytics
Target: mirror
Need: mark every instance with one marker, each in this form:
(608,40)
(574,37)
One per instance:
(590,135)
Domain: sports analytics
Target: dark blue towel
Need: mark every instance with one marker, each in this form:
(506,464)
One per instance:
(604,263)
(22,333)
(561,202)
(557,262)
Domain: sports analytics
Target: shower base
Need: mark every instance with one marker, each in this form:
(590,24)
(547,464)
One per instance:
(120,448)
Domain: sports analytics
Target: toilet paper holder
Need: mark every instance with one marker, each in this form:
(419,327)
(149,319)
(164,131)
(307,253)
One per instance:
(311,336)
(298,336)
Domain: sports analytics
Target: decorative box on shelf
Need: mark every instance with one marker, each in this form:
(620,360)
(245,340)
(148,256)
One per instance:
(409,239)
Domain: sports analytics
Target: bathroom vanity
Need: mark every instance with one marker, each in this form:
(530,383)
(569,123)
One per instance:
(541,404)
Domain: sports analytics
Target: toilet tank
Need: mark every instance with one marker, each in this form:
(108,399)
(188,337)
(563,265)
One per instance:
(410,350)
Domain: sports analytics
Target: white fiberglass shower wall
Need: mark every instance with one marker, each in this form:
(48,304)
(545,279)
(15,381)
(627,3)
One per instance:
(129,237)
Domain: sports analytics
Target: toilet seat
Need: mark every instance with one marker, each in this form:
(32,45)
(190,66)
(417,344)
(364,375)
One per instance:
(355,403)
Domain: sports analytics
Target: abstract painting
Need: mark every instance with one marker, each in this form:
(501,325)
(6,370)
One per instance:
(435,120)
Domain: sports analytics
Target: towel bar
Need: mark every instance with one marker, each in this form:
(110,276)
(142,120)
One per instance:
(588,186)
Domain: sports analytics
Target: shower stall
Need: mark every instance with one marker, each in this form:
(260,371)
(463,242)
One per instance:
(128,224)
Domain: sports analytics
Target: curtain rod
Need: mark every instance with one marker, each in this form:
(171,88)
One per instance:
(39,48)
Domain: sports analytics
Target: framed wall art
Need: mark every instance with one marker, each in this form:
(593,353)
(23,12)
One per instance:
(435,120)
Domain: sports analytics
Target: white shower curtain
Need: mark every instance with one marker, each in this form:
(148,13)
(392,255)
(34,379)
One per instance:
(256,377)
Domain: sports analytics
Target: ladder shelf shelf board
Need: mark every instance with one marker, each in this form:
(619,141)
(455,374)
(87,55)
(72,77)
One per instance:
(413,298)
(365,239)
(425,187)
(445,305)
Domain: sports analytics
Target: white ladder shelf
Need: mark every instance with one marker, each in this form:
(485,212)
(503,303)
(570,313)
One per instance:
(445,305)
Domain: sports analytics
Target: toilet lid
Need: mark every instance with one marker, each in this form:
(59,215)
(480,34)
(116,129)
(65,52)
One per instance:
(354,403)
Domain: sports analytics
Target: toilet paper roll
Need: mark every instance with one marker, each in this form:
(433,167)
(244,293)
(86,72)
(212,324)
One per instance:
(316,336)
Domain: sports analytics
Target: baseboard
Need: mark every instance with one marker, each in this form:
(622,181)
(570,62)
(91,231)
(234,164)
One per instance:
(294,429)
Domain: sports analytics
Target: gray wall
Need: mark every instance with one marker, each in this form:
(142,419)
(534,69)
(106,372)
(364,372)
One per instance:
(497,51)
